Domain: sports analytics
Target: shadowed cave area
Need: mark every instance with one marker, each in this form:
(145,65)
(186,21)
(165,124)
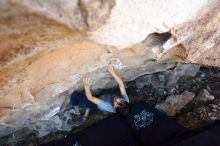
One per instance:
(201,110)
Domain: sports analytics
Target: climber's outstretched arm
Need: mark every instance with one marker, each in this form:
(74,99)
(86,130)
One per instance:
(87,83)
(118,80)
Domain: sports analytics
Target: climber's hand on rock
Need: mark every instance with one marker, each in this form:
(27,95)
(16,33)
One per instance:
(87,81)
(110,69)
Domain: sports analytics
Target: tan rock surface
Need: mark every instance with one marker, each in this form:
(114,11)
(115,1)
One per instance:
(131,21)
(65,11)
(42,60)
(80,14)
(201,38)
(96,12)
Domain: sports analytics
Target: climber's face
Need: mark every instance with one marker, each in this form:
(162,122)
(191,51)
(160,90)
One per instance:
(117,101)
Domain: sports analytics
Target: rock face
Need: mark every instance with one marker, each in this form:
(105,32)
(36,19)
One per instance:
(132,21)
(67,12)
(80,14)
(47,47)
(200,38)
(174,104)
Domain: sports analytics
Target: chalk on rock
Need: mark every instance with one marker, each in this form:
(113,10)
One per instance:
(116,63)
(204,95)
(208,95)
(51,113)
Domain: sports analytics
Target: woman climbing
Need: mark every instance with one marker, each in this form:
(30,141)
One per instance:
(113,104)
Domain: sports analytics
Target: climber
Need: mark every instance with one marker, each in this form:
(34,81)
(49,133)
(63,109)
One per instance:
(113,104)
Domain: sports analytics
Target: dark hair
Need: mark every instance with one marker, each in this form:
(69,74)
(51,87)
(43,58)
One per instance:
(124,109)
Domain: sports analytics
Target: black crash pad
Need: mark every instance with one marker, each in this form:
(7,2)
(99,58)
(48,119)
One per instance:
(209,136)
(109,132)
(144,126)
(151,127)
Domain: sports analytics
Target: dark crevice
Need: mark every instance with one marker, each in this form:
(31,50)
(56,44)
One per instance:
(156,39)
